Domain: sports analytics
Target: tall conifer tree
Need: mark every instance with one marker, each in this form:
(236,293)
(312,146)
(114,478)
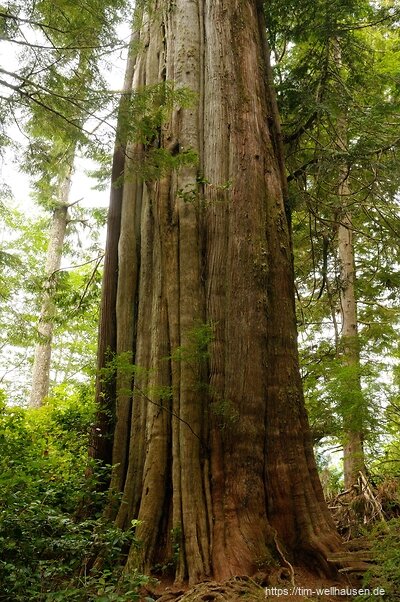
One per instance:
(211,446)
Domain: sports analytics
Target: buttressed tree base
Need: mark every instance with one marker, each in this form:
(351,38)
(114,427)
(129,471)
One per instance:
(211,444)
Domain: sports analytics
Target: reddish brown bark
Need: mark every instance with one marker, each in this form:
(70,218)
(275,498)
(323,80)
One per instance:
(101,442)
(219,456)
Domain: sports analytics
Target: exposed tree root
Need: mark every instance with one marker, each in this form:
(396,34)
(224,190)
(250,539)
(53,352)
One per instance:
(283,558)
(363,504)
(242,588)
(234,590)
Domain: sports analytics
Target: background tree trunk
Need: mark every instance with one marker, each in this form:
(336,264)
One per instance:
(42,357)
(353,451)
(212,449)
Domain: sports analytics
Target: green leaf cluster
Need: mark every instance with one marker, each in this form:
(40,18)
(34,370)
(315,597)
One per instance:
(76,292)
(385,573)
(337,64)
(47,549)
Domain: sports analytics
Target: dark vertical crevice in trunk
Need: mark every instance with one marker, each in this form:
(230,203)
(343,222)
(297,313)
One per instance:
(101,439)
(101,443)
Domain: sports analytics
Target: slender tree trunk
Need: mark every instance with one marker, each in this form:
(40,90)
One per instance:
(353,452)
(212,448)
(349,353)
(42,357)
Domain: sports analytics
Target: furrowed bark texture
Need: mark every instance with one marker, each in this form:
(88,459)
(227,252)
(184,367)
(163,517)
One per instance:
(212,449)
(101,436)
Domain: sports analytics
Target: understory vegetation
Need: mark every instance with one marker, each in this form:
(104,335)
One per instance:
(86,428)
(52,547)
(57,544)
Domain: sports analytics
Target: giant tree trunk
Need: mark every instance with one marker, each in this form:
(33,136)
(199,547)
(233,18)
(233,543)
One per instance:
(212,449)
(42,357)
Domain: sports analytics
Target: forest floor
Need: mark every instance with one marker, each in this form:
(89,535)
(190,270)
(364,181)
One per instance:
(304,585)
(308,588)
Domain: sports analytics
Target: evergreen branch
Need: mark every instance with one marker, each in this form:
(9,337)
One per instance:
(301,170)
(387,17)
(37,71)
(287,138)
(30,97)
(79,265)
(73,203)
(385,149)
(28,44)
(33,23)
(89,282)
(23,360)
(26,81)
(345,155)
(18,125)
(385,220)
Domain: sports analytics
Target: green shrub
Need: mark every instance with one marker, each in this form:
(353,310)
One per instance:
(46,551)
(385,573)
